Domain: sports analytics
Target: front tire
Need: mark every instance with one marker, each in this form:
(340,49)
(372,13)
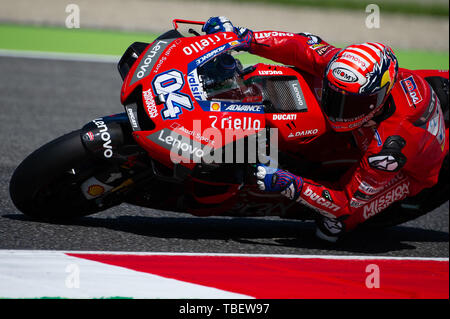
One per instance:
(46,185)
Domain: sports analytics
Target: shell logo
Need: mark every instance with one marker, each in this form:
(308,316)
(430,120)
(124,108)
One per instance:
(234,43)
(95,190)
(214,106)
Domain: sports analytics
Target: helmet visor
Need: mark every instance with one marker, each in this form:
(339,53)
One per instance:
(341,107)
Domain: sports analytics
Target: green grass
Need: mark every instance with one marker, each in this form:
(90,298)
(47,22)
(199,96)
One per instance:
(66,298)
(407,59)
(53,39)
(422,59)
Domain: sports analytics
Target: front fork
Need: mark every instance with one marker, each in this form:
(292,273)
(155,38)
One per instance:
(124,166)
(122,163)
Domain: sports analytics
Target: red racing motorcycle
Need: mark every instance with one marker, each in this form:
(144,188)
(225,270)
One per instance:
(195,123)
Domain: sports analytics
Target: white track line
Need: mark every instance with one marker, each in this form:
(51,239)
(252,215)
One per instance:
(33,252)
(61,56)
(78,57)
(38,274)
(48,273)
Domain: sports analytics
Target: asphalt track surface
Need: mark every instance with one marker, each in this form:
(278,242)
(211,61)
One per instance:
(42,99)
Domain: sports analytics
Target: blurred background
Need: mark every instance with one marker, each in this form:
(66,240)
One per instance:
(417,30)
(48,88)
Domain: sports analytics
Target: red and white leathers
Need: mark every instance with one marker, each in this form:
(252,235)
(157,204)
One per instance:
(401,150)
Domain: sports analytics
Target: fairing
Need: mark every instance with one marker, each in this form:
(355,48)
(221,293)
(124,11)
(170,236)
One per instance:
(178,118)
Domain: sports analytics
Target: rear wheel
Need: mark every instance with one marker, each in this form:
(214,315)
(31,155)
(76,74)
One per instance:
(46,184)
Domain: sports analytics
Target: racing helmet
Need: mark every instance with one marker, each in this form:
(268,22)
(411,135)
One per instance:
(357,83)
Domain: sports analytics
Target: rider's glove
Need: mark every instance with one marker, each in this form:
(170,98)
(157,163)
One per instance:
(272,179)
(223,24)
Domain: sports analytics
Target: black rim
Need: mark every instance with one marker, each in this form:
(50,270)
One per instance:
(64,192)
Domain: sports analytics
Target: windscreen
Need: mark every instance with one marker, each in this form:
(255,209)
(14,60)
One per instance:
(222,80)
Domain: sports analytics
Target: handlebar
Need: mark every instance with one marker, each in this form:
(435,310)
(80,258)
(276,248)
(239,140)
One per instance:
(176,21)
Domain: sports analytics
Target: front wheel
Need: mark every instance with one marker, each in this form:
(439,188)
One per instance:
(46,185)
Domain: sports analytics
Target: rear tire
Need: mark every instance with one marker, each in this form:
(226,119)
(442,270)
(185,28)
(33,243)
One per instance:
(46,185)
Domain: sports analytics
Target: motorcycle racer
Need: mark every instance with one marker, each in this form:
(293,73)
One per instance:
(394,116)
